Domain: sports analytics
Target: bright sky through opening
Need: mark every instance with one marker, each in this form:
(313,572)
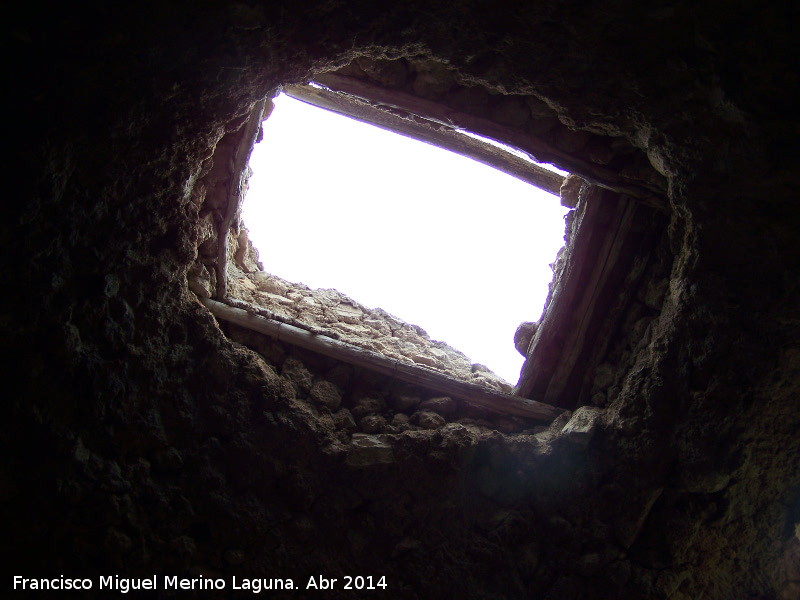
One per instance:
(436,239)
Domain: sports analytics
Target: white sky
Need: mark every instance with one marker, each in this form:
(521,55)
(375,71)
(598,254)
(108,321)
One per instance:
(434,238)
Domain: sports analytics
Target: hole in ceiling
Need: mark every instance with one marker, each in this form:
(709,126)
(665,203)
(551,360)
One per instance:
(432,237)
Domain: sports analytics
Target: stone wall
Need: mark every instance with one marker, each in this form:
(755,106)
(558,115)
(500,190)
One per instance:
(345,398)
(350,399)
(139,439)
(335,315)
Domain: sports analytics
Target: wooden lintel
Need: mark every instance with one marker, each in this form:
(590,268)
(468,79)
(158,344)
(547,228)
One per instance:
(429,131)
(607,252)
(537,149)
(471,393)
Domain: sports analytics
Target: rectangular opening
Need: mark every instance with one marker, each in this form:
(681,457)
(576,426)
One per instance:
(433,238)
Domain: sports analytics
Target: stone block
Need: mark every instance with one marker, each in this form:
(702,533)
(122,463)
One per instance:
(581,427)
(367,450)
(325,393)
(443,405)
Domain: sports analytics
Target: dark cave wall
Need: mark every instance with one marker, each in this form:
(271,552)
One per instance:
(139,440)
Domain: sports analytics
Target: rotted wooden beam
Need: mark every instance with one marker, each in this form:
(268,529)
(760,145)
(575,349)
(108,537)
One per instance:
(388,99)
(430,131)
(471,393)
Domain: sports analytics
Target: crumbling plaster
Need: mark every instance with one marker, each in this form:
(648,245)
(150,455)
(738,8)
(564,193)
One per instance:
(138,439)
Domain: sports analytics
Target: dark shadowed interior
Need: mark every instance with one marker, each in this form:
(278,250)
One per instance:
(650,447)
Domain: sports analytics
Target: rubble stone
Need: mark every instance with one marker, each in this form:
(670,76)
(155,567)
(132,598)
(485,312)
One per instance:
(344,420)
(441,405)
(354,323)
(325,393)
(367,406)
(367,450)
(372,424)
(428,419)
(296,372)
(523,336)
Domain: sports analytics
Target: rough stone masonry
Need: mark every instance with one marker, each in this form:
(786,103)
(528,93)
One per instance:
(140,439)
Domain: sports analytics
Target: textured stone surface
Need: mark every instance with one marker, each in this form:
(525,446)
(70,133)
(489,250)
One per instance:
(336,315)
(325,393)
(523,336)
(442,405)
(428,419)
(367,450)
(138,438)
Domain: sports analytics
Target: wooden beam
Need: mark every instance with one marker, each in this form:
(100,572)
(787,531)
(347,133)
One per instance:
(431,132)
(471,393)
(514,137)
(608,250)
(236,191)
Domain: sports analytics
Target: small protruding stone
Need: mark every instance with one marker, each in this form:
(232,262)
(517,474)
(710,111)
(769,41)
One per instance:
(421,359)
(428,419)
(523,336)
(296,372)
(372,424)
(344,420)
(349,314)
(325,393)
(247,284)
(367,406)
(270,285)
(570,191)
(366,450)
(400,419)
(199,286)
(443,405)
(582,425)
